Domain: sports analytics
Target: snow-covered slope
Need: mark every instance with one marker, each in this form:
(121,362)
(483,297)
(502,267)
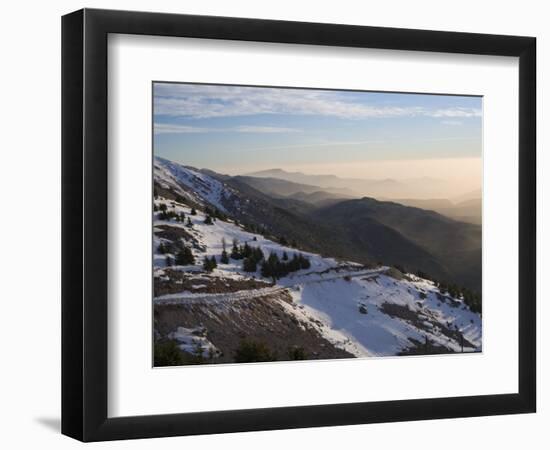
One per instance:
(192,184)
(366,312)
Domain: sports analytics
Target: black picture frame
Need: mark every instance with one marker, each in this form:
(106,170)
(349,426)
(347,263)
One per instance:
(84,224)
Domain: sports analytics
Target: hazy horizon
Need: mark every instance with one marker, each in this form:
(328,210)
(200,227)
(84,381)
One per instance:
(236,130)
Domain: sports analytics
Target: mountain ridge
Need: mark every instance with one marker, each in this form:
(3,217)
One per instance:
(376,231)
(388,187)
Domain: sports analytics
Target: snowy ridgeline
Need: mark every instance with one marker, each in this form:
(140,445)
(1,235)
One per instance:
(367,312)
(199,187)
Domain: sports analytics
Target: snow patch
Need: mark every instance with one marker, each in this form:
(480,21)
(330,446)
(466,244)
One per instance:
(194,341)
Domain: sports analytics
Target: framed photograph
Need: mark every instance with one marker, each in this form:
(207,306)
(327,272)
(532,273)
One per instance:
(273,224)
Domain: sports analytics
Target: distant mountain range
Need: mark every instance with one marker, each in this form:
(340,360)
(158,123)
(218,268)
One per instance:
(285,188)
(413,187)
(458,209)
(316,212)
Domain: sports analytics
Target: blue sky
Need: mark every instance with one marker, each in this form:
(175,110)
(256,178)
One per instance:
(234,129)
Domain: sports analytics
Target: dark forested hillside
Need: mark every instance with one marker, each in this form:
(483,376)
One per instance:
(455,246)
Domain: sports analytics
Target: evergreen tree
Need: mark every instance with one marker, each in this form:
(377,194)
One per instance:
(249,264)
(294,264)
(235,253)
(162,248)
(185,257)
(270,267)
(207,264)
(213,262)
(189,223)
(169,262)
(285,256)
(258,254)
(224,258)
(304,262)
(193,212)
(208,220)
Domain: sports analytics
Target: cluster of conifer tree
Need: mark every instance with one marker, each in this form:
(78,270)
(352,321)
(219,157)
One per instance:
(215,213)
(251,256)
(168,215)
(245,251)
(276,268)
(183,257)
(272,266)
(471,298)
(250,262)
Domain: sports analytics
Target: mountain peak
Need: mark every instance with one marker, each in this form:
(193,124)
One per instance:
(269,172)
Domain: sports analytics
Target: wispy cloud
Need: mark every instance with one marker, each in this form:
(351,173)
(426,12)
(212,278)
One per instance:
(334,144)
(208,101)
(339,144)
(165,128)
(260,129)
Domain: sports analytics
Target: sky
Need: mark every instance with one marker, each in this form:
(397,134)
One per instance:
(375,135)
